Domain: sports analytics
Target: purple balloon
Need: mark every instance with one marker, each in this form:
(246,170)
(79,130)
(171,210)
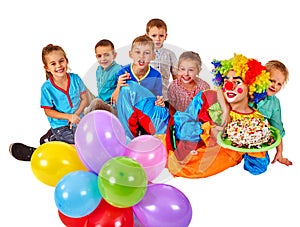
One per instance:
(99,137)
(163,205)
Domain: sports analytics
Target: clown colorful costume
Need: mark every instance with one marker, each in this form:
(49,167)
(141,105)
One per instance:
(192,151)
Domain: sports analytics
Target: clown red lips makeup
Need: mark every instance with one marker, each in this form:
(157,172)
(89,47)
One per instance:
(230,94)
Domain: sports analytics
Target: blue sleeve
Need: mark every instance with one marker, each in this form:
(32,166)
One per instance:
(46,99)
(123,70)
(81,85)
(186,124)
(128,97)
(159,115)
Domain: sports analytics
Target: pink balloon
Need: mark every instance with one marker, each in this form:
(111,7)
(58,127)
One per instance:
(99,137)
(150,152)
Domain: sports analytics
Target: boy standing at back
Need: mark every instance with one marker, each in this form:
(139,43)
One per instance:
(165,59)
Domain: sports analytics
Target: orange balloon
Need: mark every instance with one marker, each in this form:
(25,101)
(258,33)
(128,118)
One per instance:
(53,160)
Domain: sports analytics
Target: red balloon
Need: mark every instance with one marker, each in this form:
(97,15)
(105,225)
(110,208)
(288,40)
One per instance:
(106,215)
(72,222)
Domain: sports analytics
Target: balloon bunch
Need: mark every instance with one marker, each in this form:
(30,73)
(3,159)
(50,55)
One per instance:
(102,181)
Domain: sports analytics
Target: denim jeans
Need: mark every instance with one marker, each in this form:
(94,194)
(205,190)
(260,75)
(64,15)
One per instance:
(64,134)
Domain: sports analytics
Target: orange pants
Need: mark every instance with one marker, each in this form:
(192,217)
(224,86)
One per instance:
(203,162)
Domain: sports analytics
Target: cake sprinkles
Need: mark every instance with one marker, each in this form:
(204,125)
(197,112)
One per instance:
(249,133)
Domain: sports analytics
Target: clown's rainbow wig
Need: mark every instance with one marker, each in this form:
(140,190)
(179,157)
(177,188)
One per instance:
(253,73)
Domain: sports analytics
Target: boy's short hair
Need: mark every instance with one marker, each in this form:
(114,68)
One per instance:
(105,42)
(143,40)
(159,23)
(275,64)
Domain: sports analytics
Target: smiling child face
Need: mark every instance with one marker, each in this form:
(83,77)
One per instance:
(142,54)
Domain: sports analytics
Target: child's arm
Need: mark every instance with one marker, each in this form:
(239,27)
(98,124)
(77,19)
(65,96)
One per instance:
(158,92)
(275,121)
(83,103)
(72,118)
(58,115)
(121,82)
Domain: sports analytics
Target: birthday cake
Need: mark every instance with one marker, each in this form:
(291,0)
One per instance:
(249,133)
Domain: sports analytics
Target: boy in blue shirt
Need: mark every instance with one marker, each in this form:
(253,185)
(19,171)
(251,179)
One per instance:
(138,82)
(63,98)
(140,71)
(106,76)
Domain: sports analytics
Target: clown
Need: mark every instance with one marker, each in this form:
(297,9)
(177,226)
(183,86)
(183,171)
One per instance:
(191,143)
(244,80)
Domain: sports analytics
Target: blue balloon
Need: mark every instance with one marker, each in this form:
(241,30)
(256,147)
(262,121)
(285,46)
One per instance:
(77,194)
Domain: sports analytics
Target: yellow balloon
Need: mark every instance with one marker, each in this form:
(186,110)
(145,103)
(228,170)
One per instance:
(53,160)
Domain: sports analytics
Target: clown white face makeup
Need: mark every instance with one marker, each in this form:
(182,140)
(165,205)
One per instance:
(234,89)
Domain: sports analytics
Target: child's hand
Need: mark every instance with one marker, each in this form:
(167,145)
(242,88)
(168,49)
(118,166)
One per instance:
(159,101)
(74,119)
(215,130)
(114,97)
(279,158)
(122,79)
(121,82)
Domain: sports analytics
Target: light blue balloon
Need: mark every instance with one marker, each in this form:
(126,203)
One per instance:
(77,194)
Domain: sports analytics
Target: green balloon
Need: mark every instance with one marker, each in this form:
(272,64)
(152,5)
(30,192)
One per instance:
(122,182)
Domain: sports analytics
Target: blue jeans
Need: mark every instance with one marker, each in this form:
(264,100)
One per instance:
(64,134)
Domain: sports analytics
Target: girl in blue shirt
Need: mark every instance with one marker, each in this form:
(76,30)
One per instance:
(63,95)
(63,98)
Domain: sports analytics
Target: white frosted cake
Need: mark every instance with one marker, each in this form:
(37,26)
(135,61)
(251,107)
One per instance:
(249,133)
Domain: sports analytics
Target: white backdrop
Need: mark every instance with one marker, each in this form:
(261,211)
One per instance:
(263,30)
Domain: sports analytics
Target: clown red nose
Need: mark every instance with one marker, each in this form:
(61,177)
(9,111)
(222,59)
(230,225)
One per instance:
(228,85)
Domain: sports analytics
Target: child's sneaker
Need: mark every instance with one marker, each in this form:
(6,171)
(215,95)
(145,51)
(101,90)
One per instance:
(21,151)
